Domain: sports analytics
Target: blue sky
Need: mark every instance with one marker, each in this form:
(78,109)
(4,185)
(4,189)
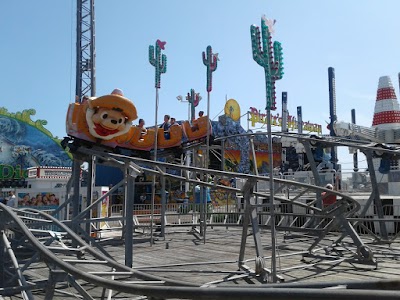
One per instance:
(359,38)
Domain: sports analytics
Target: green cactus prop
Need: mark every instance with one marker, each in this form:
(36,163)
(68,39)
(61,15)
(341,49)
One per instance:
(193,98)
(210,61)
(158,61)
(267,56)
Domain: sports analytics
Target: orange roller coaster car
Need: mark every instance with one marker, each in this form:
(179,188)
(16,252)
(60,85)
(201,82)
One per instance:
(107,120)
(197,129)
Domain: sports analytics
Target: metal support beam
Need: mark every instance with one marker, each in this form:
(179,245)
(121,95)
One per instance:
(250,216)
(314,170)
(76,173)
(163,204)
(20,276)
(377,198)
(90,187)
(130,176)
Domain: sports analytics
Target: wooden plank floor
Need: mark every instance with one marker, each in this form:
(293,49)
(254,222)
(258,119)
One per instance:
(183,255)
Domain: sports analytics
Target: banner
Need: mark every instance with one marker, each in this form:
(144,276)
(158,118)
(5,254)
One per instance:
(276,120)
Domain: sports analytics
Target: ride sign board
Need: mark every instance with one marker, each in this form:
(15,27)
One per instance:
(276,120)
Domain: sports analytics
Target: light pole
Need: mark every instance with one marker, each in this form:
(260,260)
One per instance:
(180,99)
(159,62)
(187,155)
(269,56)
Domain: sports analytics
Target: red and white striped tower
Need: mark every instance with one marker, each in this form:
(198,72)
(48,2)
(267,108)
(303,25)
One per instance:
(387,111)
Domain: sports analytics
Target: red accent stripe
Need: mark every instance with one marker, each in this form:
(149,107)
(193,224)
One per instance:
(386,117)
(385,93)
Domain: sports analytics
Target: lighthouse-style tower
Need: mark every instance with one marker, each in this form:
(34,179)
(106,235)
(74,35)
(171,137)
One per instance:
(386,112)
(387,123)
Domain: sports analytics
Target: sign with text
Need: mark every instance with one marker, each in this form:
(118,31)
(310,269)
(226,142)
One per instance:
(257,117)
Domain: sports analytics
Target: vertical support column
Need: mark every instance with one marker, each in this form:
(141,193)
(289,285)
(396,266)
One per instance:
(253,152)
(377,198)
(153,186)
(314,170)
(250,215)
(271,196)
(201,163)
(399,79)
(248,121)
(89,192)
(247,191)
(2,247)
(130,177)
(76,173)
(205,208)
(163,204)
(206,166)
(207,157)
(2,253)
(187,164)
(284,112)
(332,112)
(223,155)
(355,154)
(300,131)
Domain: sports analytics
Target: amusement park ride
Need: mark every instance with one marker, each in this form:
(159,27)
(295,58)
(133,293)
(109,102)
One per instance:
(101,125)
(386,121)
(106,121)
(100,131)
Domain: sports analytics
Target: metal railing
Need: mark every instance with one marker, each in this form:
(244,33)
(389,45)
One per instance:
(288,216)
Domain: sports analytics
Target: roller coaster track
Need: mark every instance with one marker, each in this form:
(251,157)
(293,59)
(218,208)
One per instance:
(31,238)
(319,220)
(49,240)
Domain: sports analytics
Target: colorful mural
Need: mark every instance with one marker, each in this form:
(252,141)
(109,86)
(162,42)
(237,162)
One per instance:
(43,200)
(25,143)
(232,160)
(238,154)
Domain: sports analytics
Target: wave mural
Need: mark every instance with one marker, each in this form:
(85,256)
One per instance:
(25,143)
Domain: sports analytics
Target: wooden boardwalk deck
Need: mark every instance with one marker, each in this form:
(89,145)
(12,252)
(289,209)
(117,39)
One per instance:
(183,255)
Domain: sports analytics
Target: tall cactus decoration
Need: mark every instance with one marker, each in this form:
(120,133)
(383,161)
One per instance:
(210,61)
(158,61)
(264,54)
(194,99)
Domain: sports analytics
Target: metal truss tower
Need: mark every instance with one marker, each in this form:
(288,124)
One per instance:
(85,79)
(332,112)
(85,50)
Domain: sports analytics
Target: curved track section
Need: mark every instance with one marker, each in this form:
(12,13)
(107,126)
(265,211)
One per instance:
(45,239)
(320,220)
(48,240)
(37,231)
(40,252)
